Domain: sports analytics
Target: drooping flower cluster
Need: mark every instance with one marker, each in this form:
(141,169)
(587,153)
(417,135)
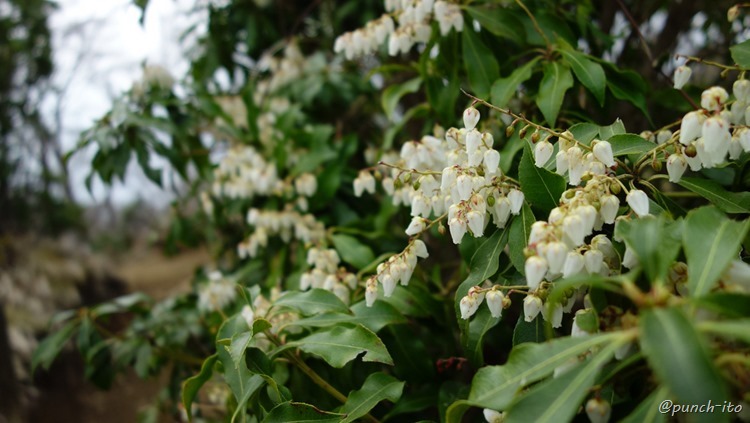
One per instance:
(327,274)
(244,173)
(398,268)
(217,293)
(413,24)
(453,174)
(286,224)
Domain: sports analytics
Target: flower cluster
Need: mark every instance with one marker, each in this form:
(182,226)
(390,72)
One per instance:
(398,268)
(287,224)
(327,274)
(244,173)
(414,25)
(217,293)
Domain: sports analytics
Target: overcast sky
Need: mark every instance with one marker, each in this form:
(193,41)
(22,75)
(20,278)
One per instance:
(105,36)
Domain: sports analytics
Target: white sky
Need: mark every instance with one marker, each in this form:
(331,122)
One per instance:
(106,38)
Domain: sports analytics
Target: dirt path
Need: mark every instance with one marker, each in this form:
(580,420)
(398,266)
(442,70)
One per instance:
(72,399)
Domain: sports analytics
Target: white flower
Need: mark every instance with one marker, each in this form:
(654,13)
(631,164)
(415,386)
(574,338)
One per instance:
(676,166)
(495,302)
(663,136)
(681,76)
(458,229)
(471,118)
(557,252)
(713,98)
(629,259)
(735,148)
(609,207)
(593,261)
(473,141)
(371,292)
(603,152)
(493,416)
(638,201)
(716,135)
(464,184)
(306,184)
(542,152)
(468,306)
(573,264)
(532,306)
(516,198)
(741,90)
(364,182)
(491,161)
(420,249)
(416,226)
(476,222)
(691,127)
(553,316)
(501,211)
(389,283)
(573,229)
(598,410)
(561,163)
(738,273)
(535,269)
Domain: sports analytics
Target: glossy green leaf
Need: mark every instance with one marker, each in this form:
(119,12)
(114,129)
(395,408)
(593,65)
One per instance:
(473,338)
(741,53)
(520,229)
(624,144)
(499,21)
(627,85)
(393,94)
(729,304)
(352,251)
(503,89)
(729,202)
(483,264)
(588,72)
(648,410)
(50,347)
(299,412)
(479,61)
(562,396)
(374,318)
(341,344)
(312,302)
(711,242)
(541,188)
(609,131)
(584,132)
(655,242)
(556,81)
(678,357)
(377,387)
(496,387)
(532,331)
(192,385)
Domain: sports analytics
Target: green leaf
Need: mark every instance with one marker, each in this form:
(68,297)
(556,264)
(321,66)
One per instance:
(483,264)
(377,387)
(648,410)
(728,202)
(589,73)
(735,329)
(312,302)
(503,89)
(624,144)
(677,355)
(725,303)
(556,81)
(473,339)
(627,85)
(501,22)
(192,385)
(541,188)
(479,61)
(711,242)
(496,387)
(381,314)
(741,53)
(393,94)
(532,331)
(616,128)
(520,229)
(562,395)
(584,132)
(352,251)
(299,412)
(341,344)
(51,346)
(655,243)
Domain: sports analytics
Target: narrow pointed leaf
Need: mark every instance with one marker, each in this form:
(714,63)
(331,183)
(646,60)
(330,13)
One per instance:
(299,412)
(588,72)
(480,63)
(377,387)
(312,302)
(556,81)
(726,201)
(541,188)
(503,89)
(341,344)
(192,385)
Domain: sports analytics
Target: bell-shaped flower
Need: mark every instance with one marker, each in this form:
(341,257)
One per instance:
(473,141)
(610,204)
(556,254)
(681,76)
(676,166)
(417,225)
(471,118)
(573,229)
(542,152)
(464,184)
(691,127)
(516,198)
(532,306)
(535,269)
(492,416)
(574,264)
(554,316)
(476,222)
(457,227)
(715,134)
(561,163)
(495,302)
(420,249)
(713,98)
(598,410)
(603,152)
(593,261)
(638,202)
(741,90)
(491,161)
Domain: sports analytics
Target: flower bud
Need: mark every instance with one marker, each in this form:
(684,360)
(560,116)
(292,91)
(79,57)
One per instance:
(574,264)
(542,152)
(681,76)
(713,98)
(609,208)
(733,13)
(638,202)
(741,90)
(603,152)
(691,127)
(493,416)
(554,316)
(532,306)
(491,161)
(471,118)
(416,226)
(535,269)
(495,302)
(598,410)
(676,166)
(516,198)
